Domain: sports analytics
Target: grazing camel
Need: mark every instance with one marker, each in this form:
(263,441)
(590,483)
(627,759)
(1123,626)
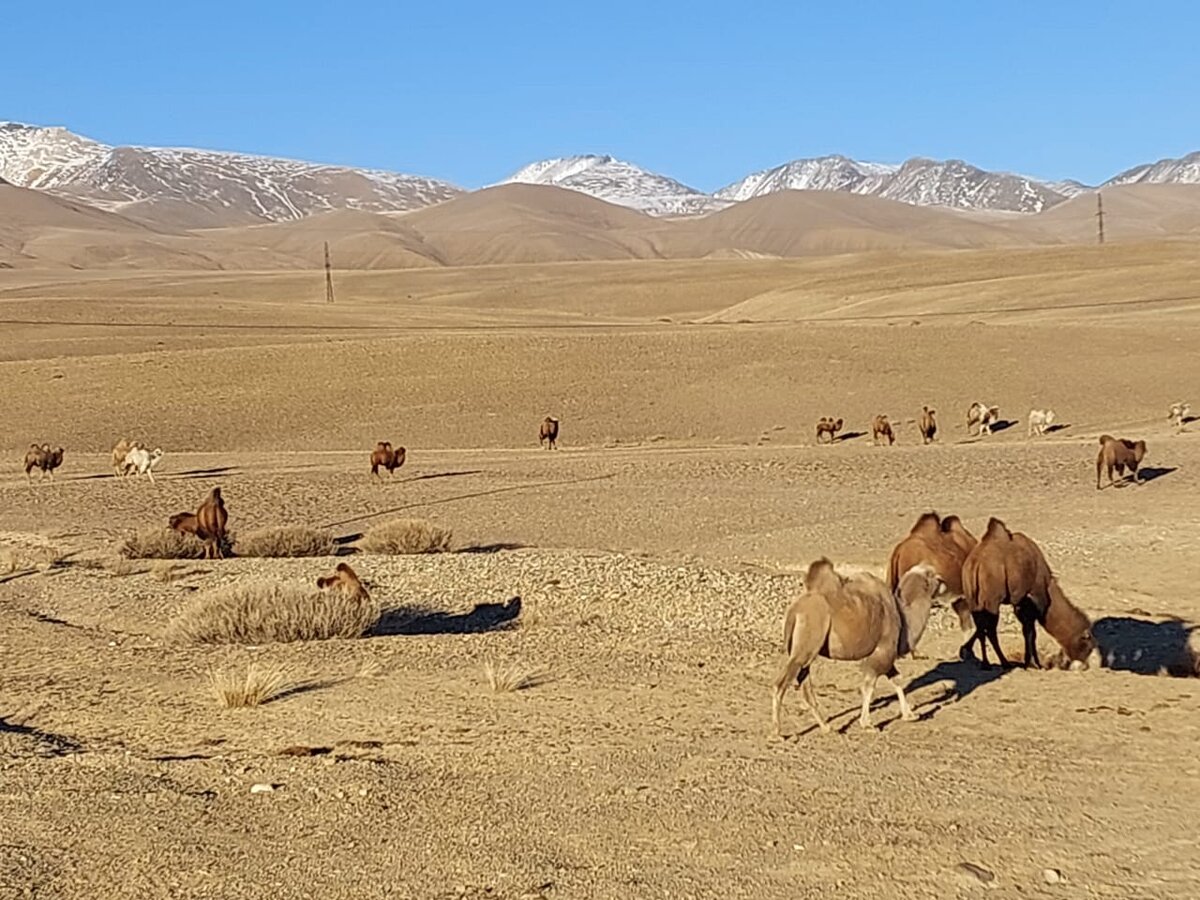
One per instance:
(982,415)
(928,425)
(1008,567)
(1179,413)
(388,457)
(140,461)
(210,519)
(1119,454)
(44,459)
(548,433)
(881,427)
(941,544)
(1039,421)
(853,619)
(345,580)
(120,451)
(827,425)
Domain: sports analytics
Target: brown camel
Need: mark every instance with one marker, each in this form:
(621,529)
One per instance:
(210,519)
(928,425)
(548,433)
(1119,454)
(1008,567)
(388,457)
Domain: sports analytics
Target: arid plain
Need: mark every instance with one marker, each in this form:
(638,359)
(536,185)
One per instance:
(654,554)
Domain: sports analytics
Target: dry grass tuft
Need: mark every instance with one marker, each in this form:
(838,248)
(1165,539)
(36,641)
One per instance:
(286,541)
(165,571)
(263,612)
(253,687)
(507,678)
(162,543)
(9,561)
(120,567)
(405,536)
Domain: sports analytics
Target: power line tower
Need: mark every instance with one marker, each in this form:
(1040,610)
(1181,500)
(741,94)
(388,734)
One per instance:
(1099,218)
(328,276)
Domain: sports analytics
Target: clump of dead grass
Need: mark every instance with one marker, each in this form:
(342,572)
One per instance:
(162,543)
(506,678)
(286,541)
(165,571)
(256,685)
(262,612)
(406,536)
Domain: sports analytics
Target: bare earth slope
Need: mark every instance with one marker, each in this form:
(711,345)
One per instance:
(653,556)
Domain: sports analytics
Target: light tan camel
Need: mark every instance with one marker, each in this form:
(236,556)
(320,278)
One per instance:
(855,618)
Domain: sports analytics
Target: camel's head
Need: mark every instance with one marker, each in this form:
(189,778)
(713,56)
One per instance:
(1139,450)
(215,496)
(920,584)
(837,426)
(156,453)
(1049,417)
(1080,648)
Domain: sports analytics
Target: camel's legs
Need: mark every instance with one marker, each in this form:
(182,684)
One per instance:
(993,620)
(906,711)
(810,697)
(793,670)
(868,691)
(1027,615)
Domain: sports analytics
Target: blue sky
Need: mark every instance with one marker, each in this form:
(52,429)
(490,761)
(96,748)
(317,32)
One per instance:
(703,92)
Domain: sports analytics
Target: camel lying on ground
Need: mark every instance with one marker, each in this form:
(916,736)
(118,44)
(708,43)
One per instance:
(345,580)
(1119,454)
(1008,567)
(928,424)
(388,457)
(881,427)
(829,426)
(44,459)
(853,619)
(548,433)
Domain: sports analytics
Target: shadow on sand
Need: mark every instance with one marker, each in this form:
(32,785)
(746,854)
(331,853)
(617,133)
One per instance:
(1147,648)
(50,744)
(849,436)
(1059,426)
(483,618)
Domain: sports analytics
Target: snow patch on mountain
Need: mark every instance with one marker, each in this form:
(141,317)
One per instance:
(619,182)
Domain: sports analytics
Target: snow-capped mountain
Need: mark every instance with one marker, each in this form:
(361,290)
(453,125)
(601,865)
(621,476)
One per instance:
(1069,187)
(619,182)
(921,182)
(1185,170)
(223,187)
(825,173)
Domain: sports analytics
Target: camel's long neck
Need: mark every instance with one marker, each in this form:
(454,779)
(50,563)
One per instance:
(913,619)
(1064,620)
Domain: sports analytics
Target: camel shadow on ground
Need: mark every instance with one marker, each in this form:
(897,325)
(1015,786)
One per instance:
(1051,429)
(484,617)
(964,677)
(1152,473)
(1003,424)
(1142,647)
(849,436)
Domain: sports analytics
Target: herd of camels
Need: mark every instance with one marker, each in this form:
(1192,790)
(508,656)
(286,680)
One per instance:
(855,617)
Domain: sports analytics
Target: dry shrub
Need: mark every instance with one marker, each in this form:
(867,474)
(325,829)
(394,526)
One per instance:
(404,536)
(165,571)
(120,567)
(286,540)
(162,543)
(9,561)
(253,687)
(504,679)
(262,612)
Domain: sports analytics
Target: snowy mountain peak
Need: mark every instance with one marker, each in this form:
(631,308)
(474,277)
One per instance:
(215,187)
(619,182)
(1183,170)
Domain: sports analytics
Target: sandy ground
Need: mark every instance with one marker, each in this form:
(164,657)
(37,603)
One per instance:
(653,556)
